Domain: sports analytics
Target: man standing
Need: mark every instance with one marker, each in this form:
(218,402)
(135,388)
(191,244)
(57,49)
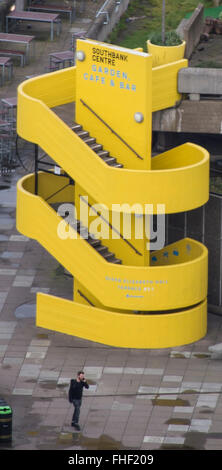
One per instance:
(75,396)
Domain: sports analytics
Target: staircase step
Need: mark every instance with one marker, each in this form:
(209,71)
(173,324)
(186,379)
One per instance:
(103,153)
(94,242)
(90,140)
(115,260)
(96,147)
(109,160)
(73,225)
(101,249)
(84,232)
(76,224)
(108,255)
(82,134)
(116,165)
(77,127)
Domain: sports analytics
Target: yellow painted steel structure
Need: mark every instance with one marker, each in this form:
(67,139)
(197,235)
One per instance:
(163,55)
(151,300)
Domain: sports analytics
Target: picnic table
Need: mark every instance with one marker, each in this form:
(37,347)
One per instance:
(6,63)
(54,8)
(62,57)
(9,109)
(10,102)
(19,39)
(51,18)
(76,35)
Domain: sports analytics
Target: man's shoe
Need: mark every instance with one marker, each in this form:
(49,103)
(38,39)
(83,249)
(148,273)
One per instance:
(76,425)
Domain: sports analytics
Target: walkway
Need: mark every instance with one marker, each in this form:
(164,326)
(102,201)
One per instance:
(138,399)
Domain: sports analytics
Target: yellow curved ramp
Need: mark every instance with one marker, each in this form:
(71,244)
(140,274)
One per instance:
(118,329)
(174,281)
(131,297)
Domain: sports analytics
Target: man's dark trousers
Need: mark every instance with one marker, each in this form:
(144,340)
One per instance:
(77,404)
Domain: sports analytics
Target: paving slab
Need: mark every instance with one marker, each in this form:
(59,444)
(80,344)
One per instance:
(138,399)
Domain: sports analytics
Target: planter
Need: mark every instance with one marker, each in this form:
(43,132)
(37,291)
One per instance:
(165,54)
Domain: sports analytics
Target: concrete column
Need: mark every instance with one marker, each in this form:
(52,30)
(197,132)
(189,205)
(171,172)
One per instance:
(194,97)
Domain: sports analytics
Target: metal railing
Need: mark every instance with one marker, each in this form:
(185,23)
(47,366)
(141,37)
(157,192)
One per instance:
(102,10)
(110,225)
(110,128)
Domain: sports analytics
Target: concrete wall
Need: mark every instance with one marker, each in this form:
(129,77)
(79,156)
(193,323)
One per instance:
(191,117)
(198,81)
(115,9)
(192,29)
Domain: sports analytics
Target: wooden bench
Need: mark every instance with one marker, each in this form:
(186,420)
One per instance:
(10,52)
(54,8)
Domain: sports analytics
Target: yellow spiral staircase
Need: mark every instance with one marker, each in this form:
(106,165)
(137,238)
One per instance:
(124,294)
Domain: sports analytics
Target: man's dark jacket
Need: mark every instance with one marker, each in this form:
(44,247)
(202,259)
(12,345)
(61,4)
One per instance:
(76,389)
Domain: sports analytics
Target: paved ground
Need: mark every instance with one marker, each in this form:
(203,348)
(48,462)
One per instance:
(138,399)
